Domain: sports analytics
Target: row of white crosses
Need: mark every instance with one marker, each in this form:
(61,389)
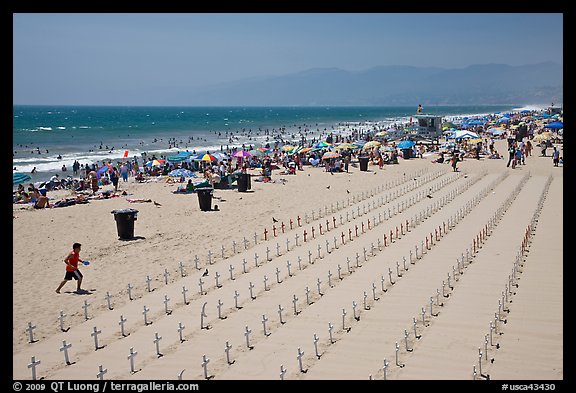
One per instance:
(504,301)
(166,275)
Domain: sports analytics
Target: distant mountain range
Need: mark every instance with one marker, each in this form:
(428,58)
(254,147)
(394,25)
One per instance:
(480,84)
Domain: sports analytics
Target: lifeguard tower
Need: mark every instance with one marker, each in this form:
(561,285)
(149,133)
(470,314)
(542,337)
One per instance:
(428,127)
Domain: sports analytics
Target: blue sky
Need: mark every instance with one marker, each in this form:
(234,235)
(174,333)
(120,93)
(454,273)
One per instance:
(88,58)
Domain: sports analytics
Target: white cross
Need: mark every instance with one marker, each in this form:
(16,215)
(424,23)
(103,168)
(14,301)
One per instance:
(299,263)
(131,357)
(61,319)
(247,334)
(85,307)
(217,276)
(255,238)
(95,334)
(294,300)
(166,300)
(264,320)
(244,265)
(354,305)
(227,348)
(121,323)
(64,349)
(184,290)
(339,272)
(385,368)
(265,280)
(365,306)
(348,264)
(278,276)
(231,270)
(330,328)
(219,306)
(329,279)
(108,298)
(222,251)
(299,357)
(318,282)
(287,245)
(30,329)
(180,329)
(145,312)
(130,291)
(245,243)
(343,319)
(210,257)
(280,309)
(307,297)
(282,372)
(316,345)
(200,283)
(166,274)
(196,261)
(32,365)
(181,264)
(250,287)
(288,264)
(256,259)
(101,372)
(296,237)
(277,249)
(267,253)
(205,362)
(203,315)
(236,294)
(234,246)
(310,256)
(157,339)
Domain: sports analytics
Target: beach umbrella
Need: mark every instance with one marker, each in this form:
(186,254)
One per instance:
(305,150)
(257,153)
(322,145)
(181,172)
(386,148)
(330,154)
(19,177)
(371,144)
(287,147)
(177,158)
(206,157)
(406,144)
(495,131)
(102,169)
(542,137)
(381,133)
(242,154)
(347,146)
(155,162)
(463,134)
(555,125)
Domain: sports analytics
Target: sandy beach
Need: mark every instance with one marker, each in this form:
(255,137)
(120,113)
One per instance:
(440,275)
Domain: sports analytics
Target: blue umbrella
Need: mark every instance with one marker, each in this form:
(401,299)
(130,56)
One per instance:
(555,125)
(181,172)
(406,144)
(19,177)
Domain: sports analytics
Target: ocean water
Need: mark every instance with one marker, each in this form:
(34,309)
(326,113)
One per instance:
(42,134)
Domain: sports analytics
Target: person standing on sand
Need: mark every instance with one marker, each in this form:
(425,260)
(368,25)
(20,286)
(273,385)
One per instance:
(72,271)
(556,156)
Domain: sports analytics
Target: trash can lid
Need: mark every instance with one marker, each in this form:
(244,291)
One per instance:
(124,211)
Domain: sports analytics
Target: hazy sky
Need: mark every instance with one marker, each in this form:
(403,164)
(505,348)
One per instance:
(104,59)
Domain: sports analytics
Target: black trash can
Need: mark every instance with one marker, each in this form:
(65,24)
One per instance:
(125,222)
(205,198)
(407,153)
(364,163)
(243,182)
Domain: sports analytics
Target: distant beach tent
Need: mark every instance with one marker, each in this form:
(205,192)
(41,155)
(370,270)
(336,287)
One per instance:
(555,125)
(462,134)
(19,177)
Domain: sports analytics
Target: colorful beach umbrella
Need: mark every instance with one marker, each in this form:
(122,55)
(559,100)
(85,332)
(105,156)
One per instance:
(242,154)
(371,144)
(181,172)
(206,157)
(322,145)
(330,154)
(19,177)
(406,144)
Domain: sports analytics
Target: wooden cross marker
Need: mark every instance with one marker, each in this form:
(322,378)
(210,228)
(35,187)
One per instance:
(245,243)
(280,309)
(294,301)
(250,287)
(30,330)
(222,251)
(32,365)
(157,339)
(145,313)
(265,281)
(296,237)
(330,329)
(344,319)
(299,263)
(131,358)
(184,290)
(398,273)
(231,270)
(180,330)
(354,305)
(278,276)
(101,372)
(61,321)
(247,334)
(85,307)
(406,341)
(166,300)
(219,306)
(205,362)
(268,254)
(287,245)
(227,348)
(64,349)
(95,333)
(108,300)
(121,323)
(196,262)
(318,283)
(385,368)
(397,350)
(390,276)
(299,357)
(234,247)
(244,265)
(288,264)
(382,283)
(366,307)
(277,249)
(181,266)
(307,296)
(217,278)
(255,259)
(374,292)
(255,238)
(264,320)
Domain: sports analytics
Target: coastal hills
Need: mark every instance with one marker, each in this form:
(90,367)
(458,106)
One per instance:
(480,84)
